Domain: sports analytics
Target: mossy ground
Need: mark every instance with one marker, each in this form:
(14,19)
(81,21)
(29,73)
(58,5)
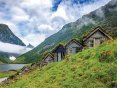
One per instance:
(91,68)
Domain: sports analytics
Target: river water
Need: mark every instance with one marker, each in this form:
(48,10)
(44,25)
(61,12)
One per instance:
(7,67)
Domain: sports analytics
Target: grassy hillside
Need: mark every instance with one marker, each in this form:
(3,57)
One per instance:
(105,16)
(91,68)
(6,74)
(1,62)
(4,57)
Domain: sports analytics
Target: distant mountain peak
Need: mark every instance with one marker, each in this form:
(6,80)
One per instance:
(7,36)
(3,24)
(30,46)
(113,2)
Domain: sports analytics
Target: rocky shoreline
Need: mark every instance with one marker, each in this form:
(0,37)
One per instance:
(3,79)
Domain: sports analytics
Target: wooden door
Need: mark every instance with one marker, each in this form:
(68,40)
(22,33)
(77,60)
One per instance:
(97,42)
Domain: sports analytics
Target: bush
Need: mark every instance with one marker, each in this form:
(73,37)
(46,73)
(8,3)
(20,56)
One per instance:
(106,56)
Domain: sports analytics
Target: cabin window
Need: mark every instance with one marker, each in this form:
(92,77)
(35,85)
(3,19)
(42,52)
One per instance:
(70,50)
(91,43)
(77,49)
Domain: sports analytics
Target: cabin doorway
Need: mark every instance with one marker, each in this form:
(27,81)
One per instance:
(59,56)
(97,41)
(74,50)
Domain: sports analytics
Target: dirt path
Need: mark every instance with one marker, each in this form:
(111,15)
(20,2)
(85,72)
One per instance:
(3,79)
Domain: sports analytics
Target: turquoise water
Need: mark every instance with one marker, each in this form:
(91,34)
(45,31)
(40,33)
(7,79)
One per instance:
(7,67)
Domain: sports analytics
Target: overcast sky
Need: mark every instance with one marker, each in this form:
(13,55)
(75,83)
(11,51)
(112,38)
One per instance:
(34,20)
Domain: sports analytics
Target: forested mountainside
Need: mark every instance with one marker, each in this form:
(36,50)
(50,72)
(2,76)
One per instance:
(7,36)
(4,57)
(106,17)
(91,68)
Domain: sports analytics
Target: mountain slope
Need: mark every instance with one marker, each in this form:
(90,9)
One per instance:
(4,57)
(7,37)
(105,16)
(91,68)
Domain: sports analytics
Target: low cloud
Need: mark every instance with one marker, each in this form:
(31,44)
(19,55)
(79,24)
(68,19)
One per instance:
(85,21)
(100,13)
(14,49)
(34,38)
(12,58)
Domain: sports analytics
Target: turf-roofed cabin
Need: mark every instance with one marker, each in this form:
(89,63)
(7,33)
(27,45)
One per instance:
(59,52)
(49,58)
(95,38)
(73,47)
